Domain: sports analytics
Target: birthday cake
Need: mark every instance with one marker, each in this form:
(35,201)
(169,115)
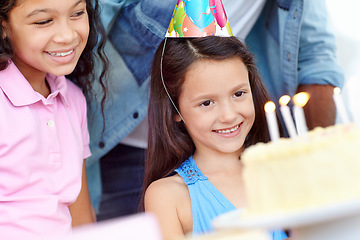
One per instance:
(319,169)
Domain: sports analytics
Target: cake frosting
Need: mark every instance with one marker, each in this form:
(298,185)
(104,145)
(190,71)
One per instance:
(318,169)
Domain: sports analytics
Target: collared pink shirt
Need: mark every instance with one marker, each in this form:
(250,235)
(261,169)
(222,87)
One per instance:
(43,142)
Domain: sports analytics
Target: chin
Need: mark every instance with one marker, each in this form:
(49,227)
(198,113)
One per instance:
(63,71)
(231,149)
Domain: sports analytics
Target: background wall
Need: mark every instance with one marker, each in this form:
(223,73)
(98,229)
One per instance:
(345,20)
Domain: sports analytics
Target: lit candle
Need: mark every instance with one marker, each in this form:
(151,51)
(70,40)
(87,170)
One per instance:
(300,101)
(340,107)
(353,88)
(271,121)
(285,112)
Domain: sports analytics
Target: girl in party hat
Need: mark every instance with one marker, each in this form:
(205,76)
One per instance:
(205,107)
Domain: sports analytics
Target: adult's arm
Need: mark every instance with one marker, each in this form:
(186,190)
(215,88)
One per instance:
(318,69)
(137,31)
(110,9)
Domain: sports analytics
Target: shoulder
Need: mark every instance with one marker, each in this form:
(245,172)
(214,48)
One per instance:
(169,192)
(169,200)
(169,188)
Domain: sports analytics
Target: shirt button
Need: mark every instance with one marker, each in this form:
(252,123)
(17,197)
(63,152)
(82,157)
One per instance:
(295,13)
(136,115)
(51,123)
(101,144)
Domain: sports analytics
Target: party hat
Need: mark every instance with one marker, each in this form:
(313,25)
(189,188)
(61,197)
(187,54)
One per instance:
(199,18)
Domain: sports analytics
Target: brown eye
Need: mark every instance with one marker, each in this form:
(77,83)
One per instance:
(239,93)
(78,14)
(206,103)
(43,22)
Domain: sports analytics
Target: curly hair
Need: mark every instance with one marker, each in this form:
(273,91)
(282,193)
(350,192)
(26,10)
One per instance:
(6,51)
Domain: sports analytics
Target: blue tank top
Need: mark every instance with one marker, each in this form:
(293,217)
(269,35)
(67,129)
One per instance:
(207,202)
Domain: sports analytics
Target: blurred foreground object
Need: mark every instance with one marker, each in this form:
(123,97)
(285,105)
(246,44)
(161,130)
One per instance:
(135,227)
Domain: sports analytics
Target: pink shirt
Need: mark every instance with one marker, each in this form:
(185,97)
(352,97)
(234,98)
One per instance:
(43,142)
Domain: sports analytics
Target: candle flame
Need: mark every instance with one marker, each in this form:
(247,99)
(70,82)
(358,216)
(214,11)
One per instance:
(270,107)
(301,99)
(284,100)
(337,91)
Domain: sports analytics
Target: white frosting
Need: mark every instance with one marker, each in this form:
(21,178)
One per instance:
(291,175)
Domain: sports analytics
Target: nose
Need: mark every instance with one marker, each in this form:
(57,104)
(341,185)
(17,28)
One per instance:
(65,33)
(228,112)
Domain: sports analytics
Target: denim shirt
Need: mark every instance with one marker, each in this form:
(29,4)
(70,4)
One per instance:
(293,44)
(291,40)
(135,29)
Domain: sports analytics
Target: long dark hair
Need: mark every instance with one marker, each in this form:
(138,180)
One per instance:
(169,143)
(83,74)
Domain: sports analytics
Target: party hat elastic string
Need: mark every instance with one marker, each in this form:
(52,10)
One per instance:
(195,18)
(163,82)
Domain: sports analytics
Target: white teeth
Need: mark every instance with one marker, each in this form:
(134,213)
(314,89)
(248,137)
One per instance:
(60,54)
(229,130)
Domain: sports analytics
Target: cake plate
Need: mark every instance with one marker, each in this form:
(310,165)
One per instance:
(338,221)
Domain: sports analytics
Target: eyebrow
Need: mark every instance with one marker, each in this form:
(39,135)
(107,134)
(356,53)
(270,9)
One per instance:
(208,96)
(45,10)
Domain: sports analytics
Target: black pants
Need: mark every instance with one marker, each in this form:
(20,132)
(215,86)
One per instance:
(122,174)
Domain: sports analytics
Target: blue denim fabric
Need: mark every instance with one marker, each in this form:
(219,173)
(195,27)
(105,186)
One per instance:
(122,179)
(134,36)
(293,45)
(143,27)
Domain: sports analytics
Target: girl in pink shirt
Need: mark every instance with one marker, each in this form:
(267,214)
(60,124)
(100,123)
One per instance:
(43,129)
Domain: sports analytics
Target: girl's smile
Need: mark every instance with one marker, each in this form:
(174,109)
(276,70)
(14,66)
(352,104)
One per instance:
(62,57)
(229,131)
(61,54)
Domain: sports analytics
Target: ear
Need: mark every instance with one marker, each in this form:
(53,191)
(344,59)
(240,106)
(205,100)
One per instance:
(4,29)
(177,118)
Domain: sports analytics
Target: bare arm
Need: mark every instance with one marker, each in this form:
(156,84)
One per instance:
(161,201)
(81,210)
(320,110)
